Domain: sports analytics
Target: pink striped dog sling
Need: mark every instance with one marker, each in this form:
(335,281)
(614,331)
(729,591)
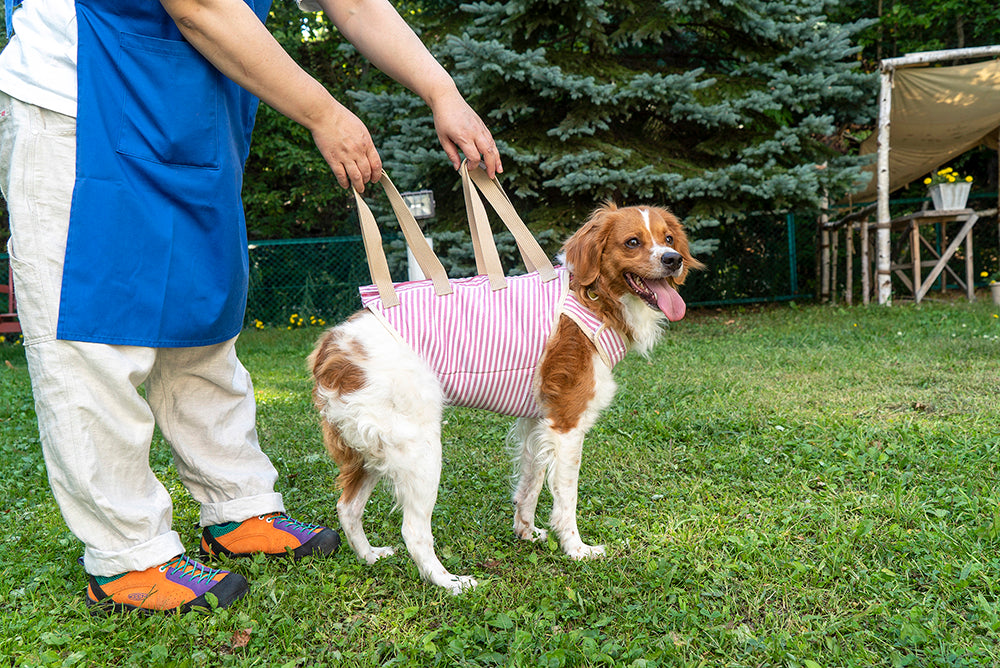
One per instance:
(485,345)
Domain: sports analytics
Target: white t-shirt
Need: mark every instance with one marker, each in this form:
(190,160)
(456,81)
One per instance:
(38,65)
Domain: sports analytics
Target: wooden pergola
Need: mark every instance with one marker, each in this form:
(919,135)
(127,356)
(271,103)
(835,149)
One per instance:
(922,155)
(883,259)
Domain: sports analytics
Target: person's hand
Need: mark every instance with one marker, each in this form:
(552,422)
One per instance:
(347,147)
(459,128)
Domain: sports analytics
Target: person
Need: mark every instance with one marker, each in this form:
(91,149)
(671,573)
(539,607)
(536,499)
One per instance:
(124,127)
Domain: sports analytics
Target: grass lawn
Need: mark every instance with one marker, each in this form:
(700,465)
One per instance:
(791,486)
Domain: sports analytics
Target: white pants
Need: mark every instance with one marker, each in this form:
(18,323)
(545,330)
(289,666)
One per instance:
(94,423)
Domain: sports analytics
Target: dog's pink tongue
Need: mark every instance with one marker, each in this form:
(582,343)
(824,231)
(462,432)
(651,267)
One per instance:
(668,300)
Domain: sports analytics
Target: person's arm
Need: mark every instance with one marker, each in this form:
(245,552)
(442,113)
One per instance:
(383,37)
(230,36)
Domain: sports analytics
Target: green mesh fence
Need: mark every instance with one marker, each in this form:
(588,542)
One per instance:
(769,258)
(4,273)
(305,279)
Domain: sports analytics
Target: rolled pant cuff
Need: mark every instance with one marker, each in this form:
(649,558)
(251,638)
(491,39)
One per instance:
(238,510)
(157,551)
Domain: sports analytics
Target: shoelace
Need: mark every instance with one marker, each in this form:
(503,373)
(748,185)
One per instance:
(280,519)
(190,569)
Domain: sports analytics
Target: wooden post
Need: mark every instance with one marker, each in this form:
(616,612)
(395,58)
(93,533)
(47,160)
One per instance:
(866,263)
(883,277)
(834,253)
(849,269)
(970,279)
(826,288)
(941,236)
(824,263)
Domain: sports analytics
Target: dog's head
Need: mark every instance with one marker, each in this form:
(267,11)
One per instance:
(636,251)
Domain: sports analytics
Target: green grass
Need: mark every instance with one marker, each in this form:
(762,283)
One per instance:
(795,486)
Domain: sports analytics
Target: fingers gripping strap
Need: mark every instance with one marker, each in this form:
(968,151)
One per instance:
(484,246)
(531,252)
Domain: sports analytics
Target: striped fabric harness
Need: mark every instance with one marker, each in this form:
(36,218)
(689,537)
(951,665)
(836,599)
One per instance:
(484,344)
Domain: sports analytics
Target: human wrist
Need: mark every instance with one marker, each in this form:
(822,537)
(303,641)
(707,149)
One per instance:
(441,92)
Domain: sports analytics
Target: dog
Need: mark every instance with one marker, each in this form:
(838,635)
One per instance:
(381,401)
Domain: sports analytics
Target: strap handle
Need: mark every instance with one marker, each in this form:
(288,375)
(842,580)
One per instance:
(487,259)
(429,263)
(483,244)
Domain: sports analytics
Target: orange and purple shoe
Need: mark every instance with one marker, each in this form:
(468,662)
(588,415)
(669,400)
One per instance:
(178,585)
(274,534)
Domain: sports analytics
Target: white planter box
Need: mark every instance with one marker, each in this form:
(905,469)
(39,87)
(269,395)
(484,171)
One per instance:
(950,196)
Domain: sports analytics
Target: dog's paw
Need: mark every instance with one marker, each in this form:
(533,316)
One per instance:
(532,534)
(583,551)
(460,583)
(377,553)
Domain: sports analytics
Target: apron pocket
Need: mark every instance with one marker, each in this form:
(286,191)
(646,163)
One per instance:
(170,111)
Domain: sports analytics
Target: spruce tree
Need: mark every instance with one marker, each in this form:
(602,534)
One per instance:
(716,108)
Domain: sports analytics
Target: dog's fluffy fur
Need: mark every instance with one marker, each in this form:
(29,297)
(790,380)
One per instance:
(381,404)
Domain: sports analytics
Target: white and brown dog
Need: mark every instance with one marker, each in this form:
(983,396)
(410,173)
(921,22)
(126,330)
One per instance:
(381,396)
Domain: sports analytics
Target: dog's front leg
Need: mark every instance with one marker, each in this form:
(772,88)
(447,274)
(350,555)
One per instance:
(564,477)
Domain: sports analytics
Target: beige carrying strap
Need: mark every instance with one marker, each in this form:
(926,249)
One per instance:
(483,244)
(429,264)
(487,258)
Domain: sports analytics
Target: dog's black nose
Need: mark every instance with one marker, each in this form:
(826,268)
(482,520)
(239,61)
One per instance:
(672,261)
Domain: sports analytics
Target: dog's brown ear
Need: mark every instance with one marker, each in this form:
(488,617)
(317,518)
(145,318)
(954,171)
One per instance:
(584,249)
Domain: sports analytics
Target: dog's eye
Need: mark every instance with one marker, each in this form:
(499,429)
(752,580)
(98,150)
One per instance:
(633,243)
(669,240)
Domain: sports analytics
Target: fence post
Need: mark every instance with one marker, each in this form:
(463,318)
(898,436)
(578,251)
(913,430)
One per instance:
(792,260)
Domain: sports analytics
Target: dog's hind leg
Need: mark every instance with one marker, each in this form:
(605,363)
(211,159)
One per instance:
(533,451)
(356,483)
(350,511)
(416,472)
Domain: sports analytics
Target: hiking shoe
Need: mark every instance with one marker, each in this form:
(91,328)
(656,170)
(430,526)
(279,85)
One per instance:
(180,584)
(274,534)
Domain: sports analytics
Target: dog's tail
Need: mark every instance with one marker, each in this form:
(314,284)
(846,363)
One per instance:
(336,373)
(349,461)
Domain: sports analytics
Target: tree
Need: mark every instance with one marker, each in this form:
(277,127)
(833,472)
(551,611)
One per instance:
(922,25)
(714,107)
(289,190)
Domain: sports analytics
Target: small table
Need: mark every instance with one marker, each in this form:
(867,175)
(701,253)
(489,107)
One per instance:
(910,225)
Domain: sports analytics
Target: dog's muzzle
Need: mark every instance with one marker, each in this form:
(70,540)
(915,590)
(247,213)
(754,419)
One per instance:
(672,262)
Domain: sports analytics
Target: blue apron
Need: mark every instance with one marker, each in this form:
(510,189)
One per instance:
(8,7)
(157,252)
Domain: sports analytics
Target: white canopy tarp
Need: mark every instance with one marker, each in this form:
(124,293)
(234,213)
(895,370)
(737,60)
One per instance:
(937,114)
